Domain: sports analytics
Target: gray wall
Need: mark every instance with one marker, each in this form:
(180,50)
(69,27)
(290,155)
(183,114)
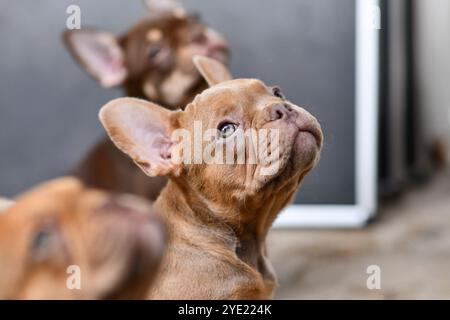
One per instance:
(48,106)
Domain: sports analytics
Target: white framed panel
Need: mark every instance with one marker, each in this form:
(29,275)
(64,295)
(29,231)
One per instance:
(368,19)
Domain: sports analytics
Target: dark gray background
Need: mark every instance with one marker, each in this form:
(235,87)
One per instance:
(48,105)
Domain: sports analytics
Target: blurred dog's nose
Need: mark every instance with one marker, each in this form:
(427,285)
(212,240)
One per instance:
(279,111)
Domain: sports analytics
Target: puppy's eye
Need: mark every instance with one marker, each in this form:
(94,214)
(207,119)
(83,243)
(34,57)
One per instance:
(226,129)
(47,244)
(277,93)
(41,239)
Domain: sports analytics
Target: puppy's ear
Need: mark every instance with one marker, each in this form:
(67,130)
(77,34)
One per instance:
(212,70)
(142,130)
(161,6)
(99,53)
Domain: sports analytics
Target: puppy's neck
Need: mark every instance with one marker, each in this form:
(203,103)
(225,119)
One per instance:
(189,215)
(243,230)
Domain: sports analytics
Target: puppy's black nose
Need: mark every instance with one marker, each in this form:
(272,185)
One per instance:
(279,111)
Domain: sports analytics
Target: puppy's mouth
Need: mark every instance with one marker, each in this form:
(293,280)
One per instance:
(313,131)
(220,54)
(301,148)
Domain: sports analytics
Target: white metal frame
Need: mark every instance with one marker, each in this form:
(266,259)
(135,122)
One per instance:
(367,76)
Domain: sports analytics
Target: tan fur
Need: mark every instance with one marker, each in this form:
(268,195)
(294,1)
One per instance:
(219,215)
(116,241)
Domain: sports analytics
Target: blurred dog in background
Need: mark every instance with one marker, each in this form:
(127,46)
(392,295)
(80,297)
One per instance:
(153,61)
(115,242)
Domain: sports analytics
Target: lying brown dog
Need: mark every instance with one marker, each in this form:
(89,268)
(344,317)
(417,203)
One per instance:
(153,60)
(218,214)
(61,230)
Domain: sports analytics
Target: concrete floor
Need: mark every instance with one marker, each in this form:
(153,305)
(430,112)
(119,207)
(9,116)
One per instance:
(410,242)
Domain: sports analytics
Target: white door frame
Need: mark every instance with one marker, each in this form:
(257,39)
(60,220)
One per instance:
(368,20)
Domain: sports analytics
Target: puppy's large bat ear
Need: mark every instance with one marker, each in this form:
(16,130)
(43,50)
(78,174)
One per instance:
(212,70)
(142,130)
(99,53)
(161,6)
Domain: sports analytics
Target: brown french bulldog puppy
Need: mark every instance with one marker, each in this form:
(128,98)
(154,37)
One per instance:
(218,213)
(153,60)
(64,241)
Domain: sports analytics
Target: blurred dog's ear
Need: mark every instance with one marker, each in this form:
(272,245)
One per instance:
(212,70)
(142,130)
(99,53)
(161,6)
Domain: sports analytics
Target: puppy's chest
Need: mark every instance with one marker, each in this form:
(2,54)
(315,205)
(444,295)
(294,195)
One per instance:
(196,273)
(266,274)
(252,281)
(252,254)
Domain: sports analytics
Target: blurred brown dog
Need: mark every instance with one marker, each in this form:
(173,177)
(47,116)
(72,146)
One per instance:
(153,61)
(115,243)
(218,214)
